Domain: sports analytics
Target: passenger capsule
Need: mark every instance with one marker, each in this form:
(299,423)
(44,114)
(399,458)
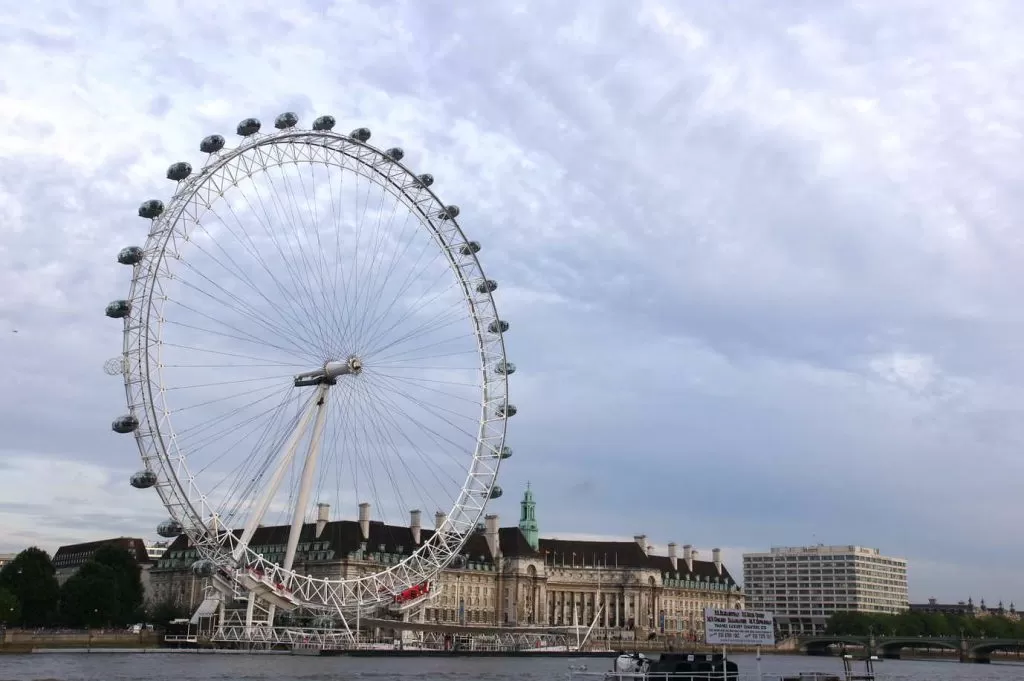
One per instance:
(143,479)
(425,180)
(286,120)
(203,568)
(248,126)
(211,144)
(130,255)
(179,171)
(151,209)
(498,326)
(506,453)
(324,123)
(486,286)
(449,213)
(507,410)
(395,154)
(360,134)
(119,309)
(496,492)
(125,424)
(169,528)
(470,248)
(505,368)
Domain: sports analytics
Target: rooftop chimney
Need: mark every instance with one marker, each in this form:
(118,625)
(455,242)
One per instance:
(688,557)
(673,557)
(439,519)
(716,555)
(414,526)
(323,514)
(491,532)
(364,520)
(641,540)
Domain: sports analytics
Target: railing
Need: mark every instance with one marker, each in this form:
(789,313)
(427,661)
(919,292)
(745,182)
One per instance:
(582,673)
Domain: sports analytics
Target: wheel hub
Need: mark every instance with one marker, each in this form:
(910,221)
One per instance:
(328,374)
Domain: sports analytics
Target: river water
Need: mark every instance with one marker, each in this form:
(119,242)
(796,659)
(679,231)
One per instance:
(157,666)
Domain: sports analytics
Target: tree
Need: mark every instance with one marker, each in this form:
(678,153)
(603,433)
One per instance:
(31,578)
(162,613)
(923,624)
(89,597)
(128,579)
(10,609)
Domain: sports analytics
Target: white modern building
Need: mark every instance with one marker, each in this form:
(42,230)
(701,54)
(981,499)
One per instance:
(804,585)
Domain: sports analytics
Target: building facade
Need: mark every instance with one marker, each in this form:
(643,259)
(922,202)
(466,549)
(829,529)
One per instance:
(965,609)
(6,558)
(506,575)
(804,585)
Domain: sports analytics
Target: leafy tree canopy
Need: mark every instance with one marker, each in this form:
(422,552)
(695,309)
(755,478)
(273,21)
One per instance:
(162,613)
(128,578)
(89,597)
(32,580)
(10,609)
(923,624)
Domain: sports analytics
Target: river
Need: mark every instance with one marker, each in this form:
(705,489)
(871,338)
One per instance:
(157,666)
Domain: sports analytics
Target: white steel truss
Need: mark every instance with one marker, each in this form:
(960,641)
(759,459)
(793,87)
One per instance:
(236,563)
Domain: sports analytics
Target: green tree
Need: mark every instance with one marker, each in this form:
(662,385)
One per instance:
(10,609)
(31,578)
(162,613)
(89,597)
(127,576)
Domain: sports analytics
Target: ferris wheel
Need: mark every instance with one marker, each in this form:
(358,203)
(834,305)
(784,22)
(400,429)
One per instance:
(309,327)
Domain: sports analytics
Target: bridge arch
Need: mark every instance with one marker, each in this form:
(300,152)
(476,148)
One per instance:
(986,647)
(890,647)
(818,644)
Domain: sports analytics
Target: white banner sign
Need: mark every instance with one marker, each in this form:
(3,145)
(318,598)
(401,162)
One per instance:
(738,628)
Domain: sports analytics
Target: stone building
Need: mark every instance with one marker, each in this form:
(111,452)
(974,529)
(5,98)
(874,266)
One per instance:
(506,576)
(966,609)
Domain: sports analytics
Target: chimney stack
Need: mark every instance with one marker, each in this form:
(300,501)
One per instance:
(439,519)
(716,555)
(673,557)
(414,526)
(688,557)
(641,540)
(491,532)
(323,515)
(364,520)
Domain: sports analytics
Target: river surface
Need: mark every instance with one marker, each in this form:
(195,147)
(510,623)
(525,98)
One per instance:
(157,666)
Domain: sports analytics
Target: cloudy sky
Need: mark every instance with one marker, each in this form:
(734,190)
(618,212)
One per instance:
(759,257)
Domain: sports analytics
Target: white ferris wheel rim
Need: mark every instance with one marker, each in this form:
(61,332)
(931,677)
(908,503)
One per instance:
(143,331)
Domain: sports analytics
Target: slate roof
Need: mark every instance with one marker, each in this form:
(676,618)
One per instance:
(344,537)
(627,554)
(76,555)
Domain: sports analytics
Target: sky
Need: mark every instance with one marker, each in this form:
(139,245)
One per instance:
(761,260)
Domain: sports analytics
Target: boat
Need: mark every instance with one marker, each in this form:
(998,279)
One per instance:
(665,667)
(706,667)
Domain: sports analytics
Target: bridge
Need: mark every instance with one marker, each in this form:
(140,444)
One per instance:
(889,647)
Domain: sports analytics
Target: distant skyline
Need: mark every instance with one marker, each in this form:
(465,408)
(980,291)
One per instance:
(762,264)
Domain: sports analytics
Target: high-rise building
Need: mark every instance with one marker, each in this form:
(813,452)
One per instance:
(804,585)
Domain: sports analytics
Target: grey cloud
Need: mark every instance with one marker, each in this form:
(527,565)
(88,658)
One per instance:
(727,244)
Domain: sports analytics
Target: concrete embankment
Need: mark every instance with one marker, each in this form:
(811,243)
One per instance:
(26,641)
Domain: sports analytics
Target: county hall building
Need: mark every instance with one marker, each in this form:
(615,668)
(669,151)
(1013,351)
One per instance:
(506,575)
